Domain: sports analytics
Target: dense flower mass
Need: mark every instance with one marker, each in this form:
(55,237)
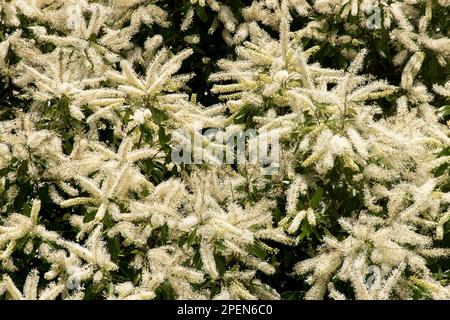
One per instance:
(97,97)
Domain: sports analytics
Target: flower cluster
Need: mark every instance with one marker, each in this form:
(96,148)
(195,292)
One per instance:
(93,205)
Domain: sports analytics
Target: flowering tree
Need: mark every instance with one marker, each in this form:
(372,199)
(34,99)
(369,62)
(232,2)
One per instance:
(116,118)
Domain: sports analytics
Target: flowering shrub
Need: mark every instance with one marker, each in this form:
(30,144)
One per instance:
(115,117)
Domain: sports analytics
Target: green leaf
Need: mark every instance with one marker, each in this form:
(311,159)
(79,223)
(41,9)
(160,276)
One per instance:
(290,295)
(201,13)
(157,174)
(162,136)
(197,260)
(315,200)
(220,264)
(108,221)
(164,233)
(191,238)
(93,37)
(258,251)
(165,292)
(157,115)
(147,134)
(137,278)
(21,242)
(305,230)
(89,216)
(114,247)
(444,111)
(26,209)
(183,239)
